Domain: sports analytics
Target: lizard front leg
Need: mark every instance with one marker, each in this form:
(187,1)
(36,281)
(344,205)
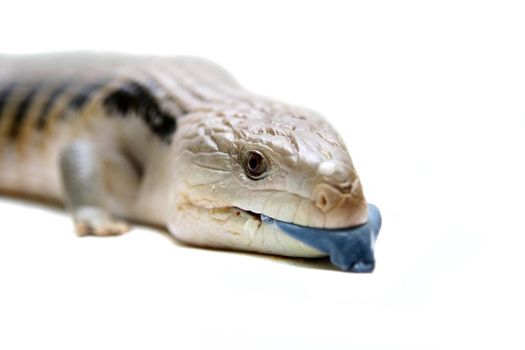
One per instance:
(91,180)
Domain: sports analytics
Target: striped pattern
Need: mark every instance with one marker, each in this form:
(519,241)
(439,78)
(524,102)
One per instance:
(21,112)
(136,98)
(64,99)
(49,103)
(18,99)
(5,93)
(37,95)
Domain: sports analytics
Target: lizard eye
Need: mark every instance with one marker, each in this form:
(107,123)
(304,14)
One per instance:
(255,165)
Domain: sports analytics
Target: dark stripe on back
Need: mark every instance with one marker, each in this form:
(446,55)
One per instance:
(21,111)
(80,99)
(136,98)
(53,97)
(5,93)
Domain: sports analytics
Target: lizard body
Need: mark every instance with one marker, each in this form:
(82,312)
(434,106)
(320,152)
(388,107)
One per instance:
(175,142)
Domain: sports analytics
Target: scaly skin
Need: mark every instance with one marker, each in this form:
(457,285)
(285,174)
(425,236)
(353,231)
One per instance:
(167,141)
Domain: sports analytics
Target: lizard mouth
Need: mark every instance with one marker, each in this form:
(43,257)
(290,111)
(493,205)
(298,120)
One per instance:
(350,249)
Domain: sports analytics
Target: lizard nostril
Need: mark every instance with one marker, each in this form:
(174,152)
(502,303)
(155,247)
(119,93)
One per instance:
(323,202)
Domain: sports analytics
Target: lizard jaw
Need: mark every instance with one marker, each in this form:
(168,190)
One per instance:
(350,249)
(230,227)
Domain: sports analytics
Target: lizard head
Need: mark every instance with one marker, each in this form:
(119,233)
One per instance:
(239,164)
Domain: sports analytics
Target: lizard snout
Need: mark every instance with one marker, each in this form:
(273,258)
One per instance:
(340,197)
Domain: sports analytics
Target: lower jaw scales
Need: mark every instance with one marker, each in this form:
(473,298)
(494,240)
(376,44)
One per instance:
(350,249)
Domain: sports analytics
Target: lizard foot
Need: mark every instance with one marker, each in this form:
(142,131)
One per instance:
(96,222)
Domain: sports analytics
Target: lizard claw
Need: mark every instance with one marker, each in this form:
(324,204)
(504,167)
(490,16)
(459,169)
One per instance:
(93,221)
(110,228)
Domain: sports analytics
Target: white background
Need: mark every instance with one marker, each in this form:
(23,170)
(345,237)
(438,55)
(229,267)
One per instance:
(430,98)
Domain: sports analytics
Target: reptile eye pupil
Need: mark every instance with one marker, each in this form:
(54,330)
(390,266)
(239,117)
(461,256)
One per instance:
(255,165)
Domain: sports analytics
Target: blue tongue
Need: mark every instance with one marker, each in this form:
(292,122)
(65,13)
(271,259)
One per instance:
(350,249)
